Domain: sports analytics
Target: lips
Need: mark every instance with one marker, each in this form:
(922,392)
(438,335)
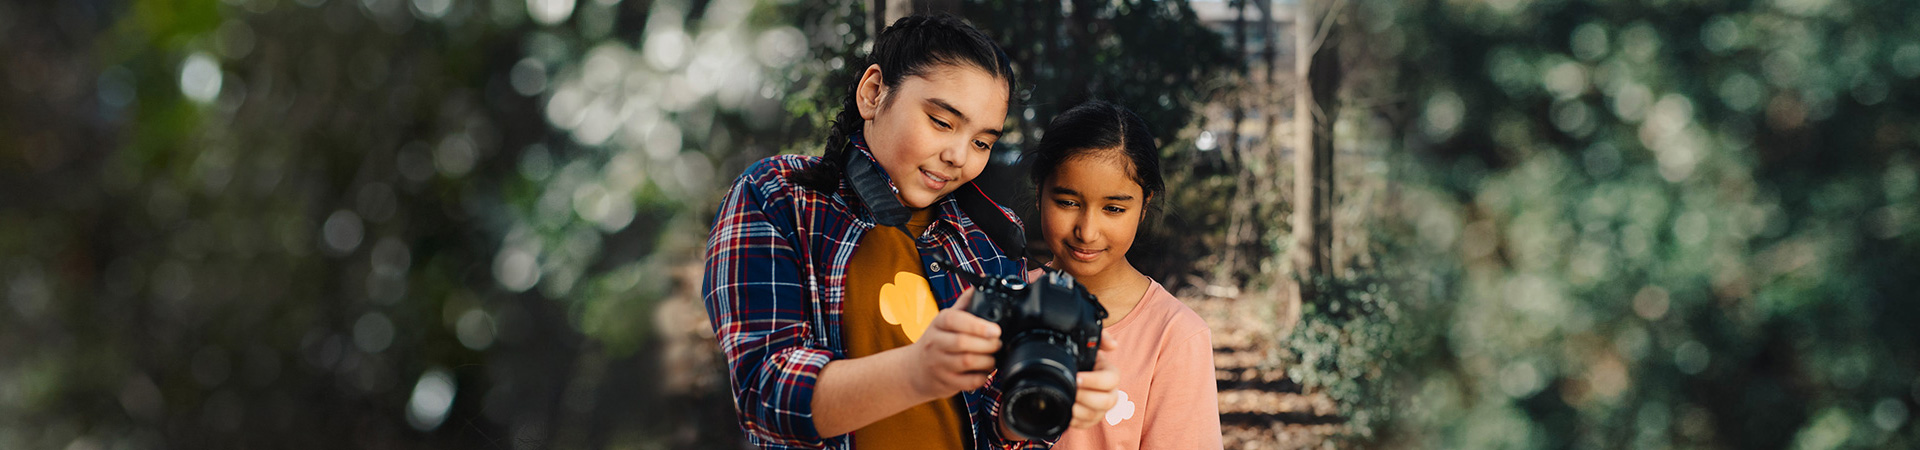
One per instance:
(1083,255)
(934,181)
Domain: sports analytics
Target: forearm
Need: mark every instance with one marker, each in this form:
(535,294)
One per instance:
(853,393)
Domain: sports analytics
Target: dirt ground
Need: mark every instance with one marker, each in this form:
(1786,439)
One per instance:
(1259,407)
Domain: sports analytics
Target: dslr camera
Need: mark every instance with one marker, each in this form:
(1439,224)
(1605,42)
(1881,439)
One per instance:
(1049,331)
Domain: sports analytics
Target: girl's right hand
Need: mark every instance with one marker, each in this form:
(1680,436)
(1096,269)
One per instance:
(956,352)
(1095,394)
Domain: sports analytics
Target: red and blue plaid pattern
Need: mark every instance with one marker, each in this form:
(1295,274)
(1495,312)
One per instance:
(776,274)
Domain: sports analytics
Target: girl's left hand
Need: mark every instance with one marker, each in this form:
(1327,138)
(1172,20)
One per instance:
(1096,387)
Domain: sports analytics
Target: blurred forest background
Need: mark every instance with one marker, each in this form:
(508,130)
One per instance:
(1410,224)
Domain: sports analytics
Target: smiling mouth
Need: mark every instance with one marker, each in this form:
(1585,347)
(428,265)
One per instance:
(934,181)
(1083,255)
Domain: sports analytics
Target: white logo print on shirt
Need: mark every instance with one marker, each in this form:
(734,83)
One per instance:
(1122,410)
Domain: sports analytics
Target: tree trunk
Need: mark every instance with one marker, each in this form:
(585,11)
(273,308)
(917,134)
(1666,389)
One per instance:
(1239,207)
(1315,108)
(1239,105)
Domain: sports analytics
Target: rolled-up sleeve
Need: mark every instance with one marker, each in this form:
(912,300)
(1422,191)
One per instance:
(757,299)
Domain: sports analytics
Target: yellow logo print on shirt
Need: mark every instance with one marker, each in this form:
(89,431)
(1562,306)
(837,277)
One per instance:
(908,302)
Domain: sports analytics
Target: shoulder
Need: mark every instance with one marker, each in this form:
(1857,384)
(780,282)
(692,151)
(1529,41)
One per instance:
(775,173)
(767,193)
(771,181)
(1181,321)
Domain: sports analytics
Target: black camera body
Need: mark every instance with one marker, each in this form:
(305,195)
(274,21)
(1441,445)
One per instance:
(1049,331)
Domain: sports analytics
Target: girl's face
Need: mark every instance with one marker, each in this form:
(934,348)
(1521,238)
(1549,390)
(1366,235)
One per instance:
(1089,211)
(935,131)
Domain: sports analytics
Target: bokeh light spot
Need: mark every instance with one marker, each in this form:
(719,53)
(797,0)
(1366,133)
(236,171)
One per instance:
(431,400)
(342,232)
(200,78)
(516,269)
(373,332)
(549,12)
(1691,357)
(475,329)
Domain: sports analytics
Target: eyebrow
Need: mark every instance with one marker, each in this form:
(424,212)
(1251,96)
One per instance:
(1064,191)
(956,112)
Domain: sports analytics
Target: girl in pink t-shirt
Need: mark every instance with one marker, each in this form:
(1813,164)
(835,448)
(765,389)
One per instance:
(1098,171)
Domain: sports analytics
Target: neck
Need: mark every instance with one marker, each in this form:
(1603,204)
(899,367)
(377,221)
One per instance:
(1118,287)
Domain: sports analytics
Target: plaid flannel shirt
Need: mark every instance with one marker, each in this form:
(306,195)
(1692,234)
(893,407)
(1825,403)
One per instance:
(774,285)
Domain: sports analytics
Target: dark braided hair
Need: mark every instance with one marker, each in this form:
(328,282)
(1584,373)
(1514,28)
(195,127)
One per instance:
(910,47)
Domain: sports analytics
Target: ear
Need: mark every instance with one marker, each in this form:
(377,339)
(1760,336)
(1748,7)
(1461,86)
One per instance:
(868,94)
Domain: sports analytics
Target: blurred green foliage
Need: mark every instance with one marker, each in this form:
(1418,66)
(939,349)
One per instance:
(1642,224)
(353,224)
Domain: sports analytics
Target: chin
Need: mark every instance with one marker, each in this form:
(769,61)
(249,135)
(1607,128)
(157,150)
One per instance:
(1078,268)
(918,200)
(929,198)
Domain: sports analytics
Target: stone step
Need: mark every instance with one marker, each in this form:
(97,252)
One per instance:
(1256,379)
(1243,358)
(1275,436)
(1303,407)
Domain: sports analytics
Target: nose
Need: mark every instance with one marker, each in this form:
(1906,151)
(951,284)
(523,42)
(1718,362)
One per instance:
(1083,226)
(957,155)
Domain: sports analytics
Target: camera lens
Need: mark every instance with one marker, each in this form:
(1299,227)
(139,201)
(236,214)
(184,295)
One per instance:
(1041,409)
(1039,387)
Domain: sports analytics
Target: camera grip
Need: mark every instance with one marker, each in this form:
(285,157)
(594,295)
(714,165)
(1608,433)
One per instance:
(984,307)
(1089,354)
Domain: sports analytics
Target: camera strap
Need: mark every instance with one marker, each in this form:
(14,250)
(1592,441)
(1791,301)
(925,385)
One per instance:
(870,183)
(987,215)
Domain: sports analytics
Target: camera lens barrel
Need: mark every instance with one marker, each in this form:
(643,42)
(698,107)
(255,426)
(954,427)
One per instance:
(1038,385)
(1050,331)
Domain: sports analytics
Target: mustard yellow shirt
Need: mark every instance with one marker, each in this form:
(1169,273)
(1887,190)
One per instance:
(889,305)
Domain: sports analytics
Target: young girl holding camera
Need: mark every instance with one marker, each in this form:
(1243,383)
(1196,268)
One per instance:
(1097,171)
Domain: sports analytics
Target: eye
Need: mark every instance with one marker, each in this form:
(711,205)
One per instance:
(1065,203)
(1115,210)
(940,123)
(983,145)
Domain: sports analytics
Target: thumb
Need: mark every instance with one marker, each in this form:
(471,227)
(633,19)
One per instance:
(966,299)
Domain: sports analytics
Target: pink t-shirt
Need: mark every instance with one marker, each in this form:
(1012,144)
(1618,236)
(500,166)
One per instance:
(1168,395)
